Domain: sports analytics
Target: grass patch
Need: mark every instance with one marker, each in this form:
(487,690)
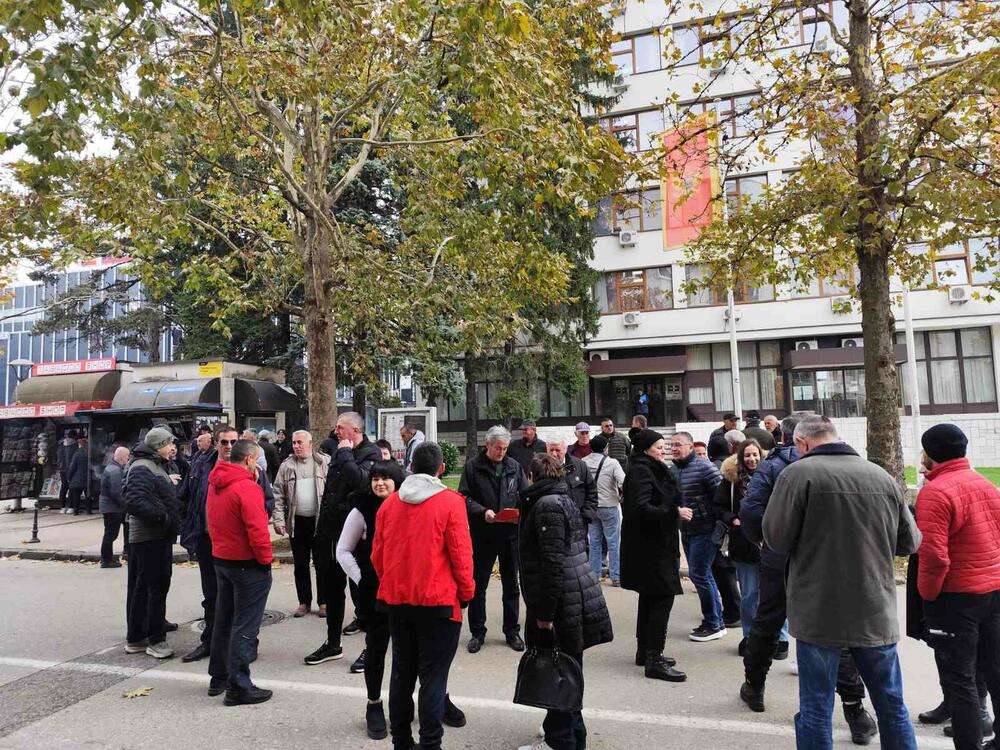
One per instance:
(452,481)
(990,472)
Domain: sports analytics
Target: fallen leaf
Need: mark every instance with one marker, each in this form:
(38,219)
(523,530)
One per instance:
(138,693)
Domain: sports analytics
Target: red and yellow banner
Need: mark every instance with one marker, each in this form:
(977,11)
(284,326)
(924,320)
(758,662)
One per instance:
(691,180)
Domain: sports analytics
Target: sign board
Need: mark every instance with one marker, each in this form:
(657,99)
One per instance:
(210,369)
(74,367)
(423,418)
(53,410)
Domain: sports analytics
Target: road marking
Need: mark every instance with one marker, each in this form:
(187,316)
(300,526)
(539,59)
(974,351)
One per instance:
(107,650)
(598,714)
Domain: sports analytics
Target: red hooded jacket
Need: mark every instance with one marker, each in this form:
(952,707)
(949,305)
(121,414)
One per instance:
(422,550)
(958,513)
(237,521)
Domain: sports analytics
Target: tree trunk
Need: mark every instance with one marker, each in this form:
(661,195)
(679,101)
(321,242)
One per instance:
(882,397)
(321,372)
(471,408)
(155,341)
(877,324)
(360,400)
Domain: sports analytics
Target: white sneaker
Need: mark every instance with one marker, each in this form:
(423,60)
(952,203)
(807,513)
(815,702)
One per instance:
(793,666)
(536,745)
(159,650)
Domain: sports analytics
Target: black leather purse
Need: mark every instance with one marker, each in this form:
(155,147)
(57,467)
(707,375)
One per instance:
(549,678)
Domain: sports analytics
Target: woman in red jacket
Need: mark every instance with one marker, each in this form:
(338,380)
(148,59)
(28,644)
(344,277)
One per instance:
(241,548)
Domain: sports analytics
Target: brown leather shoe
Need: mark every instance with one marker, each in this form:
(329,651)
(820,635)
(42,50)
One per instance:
(301,611)
(322,610)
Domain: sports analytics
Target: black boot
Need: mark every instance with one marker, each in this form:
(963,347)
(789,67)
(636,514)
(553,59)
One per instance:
(375,719)
(753,696)
(938,715)
(453,715)
(949,730)
(659,668)
(640,658)
(863,726)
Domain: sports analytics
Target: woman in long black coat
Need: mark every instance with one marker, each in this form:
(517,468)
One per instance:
(650,550)
(562,595)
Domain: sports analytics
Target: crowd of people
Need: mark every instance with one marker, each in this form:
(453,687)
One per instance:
(786,530)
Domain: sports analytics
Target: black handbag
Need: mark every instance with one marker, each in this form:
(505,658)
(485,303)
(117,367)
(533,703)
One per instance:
(549,678)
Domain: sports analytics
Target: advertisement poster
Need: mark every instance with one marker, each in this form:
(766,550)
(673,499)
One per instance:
(390,421)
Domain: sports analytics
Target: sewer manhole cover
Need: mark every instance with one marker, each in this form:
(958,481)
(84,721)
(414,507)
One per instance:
(271,616)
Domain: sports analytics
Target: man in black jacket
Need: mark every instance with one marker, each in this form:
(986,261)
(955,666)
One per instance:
(527,447)
(718,450)
(353,459)
(582,487)
(491,482)
(154,520)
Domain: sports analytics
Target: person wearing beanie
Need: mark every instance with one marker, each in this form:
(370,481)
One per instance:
(650,550)
(958,513)
(609,478)
(154,520)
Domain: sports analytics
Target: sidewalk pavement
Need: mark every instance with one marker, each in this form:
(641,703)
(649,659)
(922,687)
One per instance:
(68,537)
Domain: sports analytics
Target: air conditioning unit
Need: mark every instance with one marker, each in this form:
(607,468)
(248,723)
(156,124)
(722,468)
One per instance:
(631,319)
(958,295)
(598,356)
(626,238)
(852,343)
(801,346)
(718,69)
(821,45)
(620,88)
(841,304)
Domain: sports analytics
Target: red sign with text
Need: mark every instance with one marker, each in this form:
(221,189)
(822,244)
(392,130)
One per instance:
(52,410)
(74,367)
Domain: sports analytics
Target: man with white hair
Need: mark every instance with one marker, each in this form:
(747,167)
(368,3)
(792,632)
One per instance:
(772,425)
(733,439)
(112,506)
(492,482)
(298,490)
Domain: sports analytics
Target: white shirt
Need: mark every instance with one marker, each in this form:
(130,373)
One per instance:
(305,488)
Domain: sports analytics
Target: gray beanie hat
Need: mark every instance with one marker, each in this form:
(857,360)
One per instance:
(158,437)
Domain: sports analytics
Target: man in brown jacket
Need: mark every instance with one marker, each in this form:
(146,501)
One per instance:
(298,493)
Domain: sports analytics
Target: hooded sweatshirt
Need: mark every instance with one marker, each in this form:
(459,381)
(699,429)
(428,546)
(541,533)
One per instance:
(422,551)
(237,521)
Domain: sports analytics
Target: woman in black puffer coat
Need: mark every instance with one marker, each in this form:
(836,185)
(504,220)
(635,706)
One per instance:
(561,592)
(650,549)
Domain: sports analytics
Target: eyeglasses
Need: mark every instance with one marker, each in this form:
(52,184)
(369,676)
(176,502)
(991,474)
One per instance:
(226,442)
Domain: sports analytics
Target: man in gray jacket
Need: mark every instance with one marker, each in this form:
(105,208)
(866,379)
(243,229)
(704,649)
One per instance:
(841,520)
(112,506)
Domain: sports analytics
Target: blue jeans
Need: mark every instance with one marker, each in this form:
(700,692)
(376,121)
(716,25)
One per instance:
(879,667)
(608,525)
(700,552)
(749,577)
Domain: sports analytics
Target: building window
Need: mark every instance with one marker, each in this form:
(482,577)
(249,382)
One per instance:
(636,131)
(735,115)
(953,367)
(637,54)
(834,393)
(638,289)
(638,212)
(842,283)
(742,190)
(762,384)
(712,295)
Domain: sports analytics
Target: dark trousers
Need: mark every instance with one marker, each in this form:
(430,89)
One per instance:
(242,595)
(302,554)
(376,646)
(652,620)
(764,636)
(485,551)
(422,647)
(565,730)
(63,490)
(209,585)
(77,501)
(334,581)
(724,573)
(964,630)
(113,523)
(149,568)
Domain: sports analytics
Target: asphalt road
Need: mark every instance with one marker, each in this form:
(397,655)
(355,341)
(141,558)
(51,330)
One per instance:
(63,678)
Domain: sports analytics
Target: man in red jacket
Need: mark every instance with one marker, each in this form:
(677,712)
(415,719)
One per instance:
(241,547)
(958,513)
(422,553)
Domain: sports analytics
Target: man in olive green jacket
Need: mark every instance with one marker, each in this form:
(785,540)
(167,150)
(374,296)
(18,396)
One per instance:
(841,520)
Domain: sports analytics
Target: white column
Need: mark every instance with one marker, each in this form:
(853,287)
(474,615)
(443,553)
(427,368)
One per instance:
(911,361)
(734,357)
(995,335)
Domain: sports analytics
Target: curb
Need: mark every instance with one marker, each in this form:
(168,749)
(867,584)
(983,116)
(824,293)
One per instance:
(29,553)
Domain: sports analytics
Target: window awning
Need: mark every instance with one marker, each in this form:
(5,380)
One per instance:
(608,368)
(264,396)
(89,386)
(834,358)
